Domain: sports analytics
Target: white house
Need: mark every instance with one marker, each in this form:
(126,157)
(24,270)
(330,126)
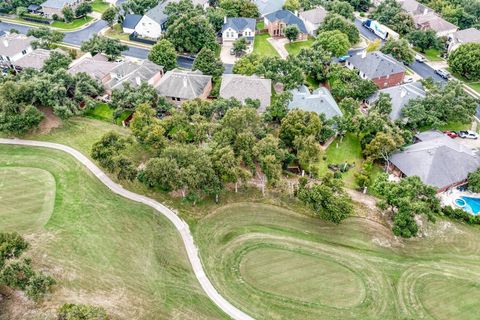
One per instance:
(14,46)
(234,28)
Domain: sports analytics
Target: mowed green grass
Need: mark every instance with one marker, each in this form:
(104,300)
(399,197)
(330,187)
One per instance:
(274,263)
(262,47)
(294,48)
(77,23)
(101,248)
(100,6)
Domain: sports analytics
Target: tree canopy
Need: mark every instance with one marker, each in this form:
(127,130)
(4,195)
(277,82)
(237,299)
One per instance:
(334,42)
(112,48)
(163,53)
(465,60)
(400,50)
(334,21)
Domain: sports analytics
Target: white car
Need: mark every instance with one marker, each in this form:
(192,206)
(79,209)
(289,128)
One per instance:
(468,134)
(408,79)
(420,58)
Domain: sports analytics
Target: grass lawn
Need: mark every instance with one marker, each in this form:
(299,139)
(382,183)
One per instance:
(101,112)
(117,33)
(99,6)
(475,85)
(294,48)
(452,125)
(274,263)
(260,25)
(77,23)
(348,150)
(262,47)
(101,248)
(431,54)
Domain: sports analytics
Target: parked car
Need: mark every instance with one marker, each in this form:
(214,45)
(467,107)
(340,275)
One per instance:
(468,134)
(443,73)
(408,79)
(451,134)
(343,58)
(420,58)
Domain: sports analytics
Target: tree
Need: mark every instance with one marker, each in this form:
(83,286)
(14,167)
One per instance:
(336,22)
(400,50)
(112,48)
(139,6)
(360,5)
(108,148)
(334,42)
(216,17)
(56,61)
(286,72)
(83,9)
(347,83)
(68,14)
(341,8)
(308,152)
(247,64)
(474,181)
(239,46)
(291,32)
(383,145)
(292,5)
(130,97)
(240,8)
(47,37)
(81,312)
(207,62)
(146,128)
(299,123)
(191,33)
(465,60)
(278,109)
(21,11)
(110,15)
(402,23)
(424,39)
(374,45)
(314,62)
(163,53)
(383,105)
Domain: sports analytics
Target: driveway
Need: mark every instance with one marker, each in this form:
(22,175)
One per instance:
(279,45)
(225,55)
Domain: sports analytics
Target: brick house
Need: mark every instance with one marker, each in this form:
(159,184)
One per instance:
(381,68)
(277,21)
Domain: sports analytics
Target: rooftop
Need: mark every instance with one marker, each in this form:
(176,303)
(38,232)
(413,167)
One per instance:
(35,59)
(376,64)
(132,73)
(93,66)
(13,43)
(243,87)
(183,84)
(268,6)
(467,35)
(288,18)
(319,101)
(433,21)
(131,21)
(239,24)
(57,4)
(315,16)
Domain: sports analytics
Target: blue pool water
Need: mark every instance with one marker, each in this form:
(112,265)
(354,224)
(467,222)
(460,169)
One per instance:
(469,204)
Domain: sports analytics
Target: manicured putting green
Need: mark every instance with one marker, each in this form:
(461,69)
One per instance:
(27,198)
(300,275)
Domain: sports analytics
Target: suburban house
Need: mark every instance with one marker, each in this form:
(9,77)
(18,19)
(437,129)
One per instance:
(471,35)
(276,22)
(134,74)
(381,68)
(97,67)
(234,28)
(179,85)
(437,160)
(243,87)
(14,46)
(313,19)
(55,7)
(34,59)
(425,18)
(152,24)
(34,9)
(130,22)
(400,96)
(319,101)
(268,6)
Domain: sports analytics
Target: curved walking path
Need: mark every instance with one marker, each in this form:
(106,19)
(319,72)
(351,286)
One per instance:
(179,224)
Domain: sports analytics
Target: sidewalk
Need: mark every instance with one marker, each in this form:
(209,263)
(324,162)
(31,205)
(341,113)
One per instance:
(38,25)
(279,45)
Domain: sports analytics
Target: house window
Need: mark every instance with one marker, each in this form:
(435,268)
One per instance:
(173,98)
(24,52)
(178,99)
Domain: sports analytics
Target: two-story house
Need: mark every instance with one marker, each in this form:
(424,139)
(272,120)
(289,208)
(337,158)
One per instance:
(277,21)
(14,46)
(234,28)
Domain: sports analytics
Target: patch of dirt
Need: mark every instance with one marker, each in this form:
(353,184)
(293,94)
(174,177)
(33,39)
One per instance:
(49,122)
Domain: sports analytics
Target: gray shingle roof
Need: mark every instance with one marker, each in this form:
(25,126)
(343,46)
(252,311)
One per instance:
(288,18)
(183,84)
(268,6)
(433,21)
(467,35)
(13,43)
(243,87)
(131,21)
(376,64)
(239,24)
(314,16)
(157,13)
(35,59)
(133,73)
(400,96)
(429,135)
(92,66)
(57,4)
(414,7)
(439,162)
(319,101)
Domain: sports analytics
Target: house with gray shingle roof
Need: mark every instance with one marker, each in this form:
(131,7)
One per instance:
(319,101)
(35,59)
(400,96)
(14,46)
(234,28)
(313,19)
(55,7)
(440,161)
(134,74)
(179,85)
(456,39)
(97,67)
(130,23)
(243,87)
(277,21)
(268,6)
(381,68)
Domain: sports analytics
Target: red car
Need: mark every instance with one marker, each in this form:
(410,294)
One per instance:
(451,134)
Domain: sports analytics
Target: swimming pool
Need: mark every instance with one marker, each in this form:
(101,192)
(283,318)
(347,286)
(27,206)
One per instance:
(469,204)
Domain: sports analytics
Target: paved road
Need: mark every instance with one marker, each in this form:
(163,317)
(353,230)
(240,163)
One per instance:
(181,226)
(422,69)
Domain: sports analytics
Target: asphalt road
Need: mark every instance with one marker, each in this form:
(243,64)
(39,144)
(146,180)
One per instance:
(181,226)
(422,69)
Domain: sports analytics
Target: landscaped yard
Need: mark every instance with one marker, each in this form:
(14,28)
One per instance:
(262,47)
(294,48)
(100,6)
(274,263)
(475,85)
(101,112)
(117,32)
(77,23)
(431,54)
(101,248)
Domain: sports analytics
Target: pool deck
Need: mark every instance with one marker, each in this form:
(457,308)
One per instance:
(447,198)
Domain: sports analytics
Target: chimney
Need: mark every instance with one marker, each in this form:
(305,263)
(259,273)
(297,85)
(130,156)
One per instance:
(225,19)
(138,81)
(5,42)
(296,12)
(425,11)
(185,82)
